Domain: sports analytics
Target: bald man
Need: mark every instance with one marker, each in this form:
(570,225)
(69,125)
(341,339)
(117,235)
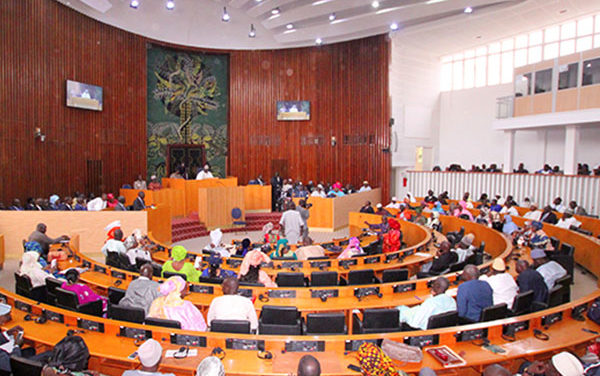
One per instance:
(39,235)
(232,306)
(496,370)
(142,291)
(473,295)
(309,366)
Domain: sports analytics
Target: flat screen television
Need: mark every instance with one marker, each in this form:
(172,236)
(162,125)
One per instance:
(80,95)
(293,110)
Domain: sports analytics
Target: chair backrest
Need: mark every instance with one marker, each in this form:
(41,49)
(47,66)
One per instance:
(495,312)
(381,318)
(567,249)
(216,281)
(360,277)
(522,302)
(555,242)
(236,213)
(52,284)
(23,284)
(394,275)
(481,246)
(162,322)
(25,367)
(443,320)
(555,296)
(279,315)
(323,279)
(285,279)
(115,295)
(230,326)
(66,299)
(129,314)
(173,274)
(326,323)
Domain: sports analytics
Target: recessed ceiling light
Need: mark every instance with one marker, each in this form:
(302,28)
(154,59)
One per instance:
(394,26)
(225,17)
(562,11)
(468,10)
(170,5)
(258,1)
(332,17)
(319,41)
(289,26)
(275,11)
(134,4)
(375,4)
(252,32)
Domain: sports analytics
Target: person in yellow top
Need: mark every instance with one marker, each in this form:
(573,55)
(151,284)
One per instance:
(177,264)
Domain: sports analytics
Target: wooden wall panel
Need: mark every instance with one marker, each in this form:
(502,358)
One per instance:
(42,44)
(347,85)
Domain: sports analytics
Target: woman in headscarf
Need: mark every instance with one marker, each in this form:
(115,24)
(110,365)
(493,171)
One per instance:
(215,246)
(438,208)
(32,268)
(270,236)
(177,264)
(539,239)
(283,250)
(214,270)
(111,202)
(111,228)
(509,226)
(433,222)
(245,247)
(171,306)
(84,293)
(250,269)
(352,249)
(36,247)
(392,240)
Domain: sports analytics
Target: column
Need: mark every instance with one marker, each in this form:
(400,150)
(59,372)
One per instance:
(509,150)
(571,138)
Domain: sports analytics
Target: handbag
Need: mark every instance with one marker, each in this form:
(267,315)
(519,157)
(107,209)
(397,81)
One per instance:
(402,352)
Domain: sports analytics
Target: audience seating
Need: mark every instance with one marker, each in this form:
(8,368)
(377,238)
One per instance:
(25,367)
(115,295)
(361,277)
(555,298)
(51,285)
(377,321)
(230,326)
(24,287)
(522,303)
(280,320)
(68,300)
(129,314)
(394,275)
(443,320)
(323,279)
(162,322)
(285,279)
(172,274)
(566,283)
(495,312)
(555,243)
(325,323)
(565,257)
(216,281)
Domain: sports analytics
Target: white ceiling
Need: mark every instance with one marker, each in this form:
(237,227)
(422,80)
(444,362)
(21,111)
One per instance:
(198,22)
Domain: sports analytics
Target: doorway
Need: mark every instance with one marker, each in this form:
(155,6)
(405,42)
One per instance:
(190,155)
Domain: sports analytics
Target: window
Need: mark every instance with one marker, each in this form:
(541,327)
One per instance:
(523,85)
(469,74)
(567,30)
(551,51)
(507,67)
(520,57)
(597,39)
(446,79)
(567,76)
(591,72)
(535,38)
(535,54)
(480,71)
(585,26)
(584,43)
(543,81)
(457,75)
(552,34)
(567,47)
(494,69)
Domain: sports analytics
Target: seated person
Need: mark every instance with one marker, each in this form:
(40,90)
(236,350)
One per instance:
(115,244)
(463,211)
(154,184)
(496,370)
(270,235)
(530,280)
(433,222)
(417,317)
(503,285)
(403,213)
(392,239)
(533,214)
(308,249)
(419,218)
(142,291)
(430,198)
(538,238)
(473,295)
(8,343)
(561,364)
(136,247)
(178,264)
(394,203)
(215,245)
(443,259)
(437,207)
(557,205)
(509,209)
(353,249)
(381,210)
(549,270)
(578,210)
(465,248)
(548,216)
(365,187)
(150,355)
(250,269)
(568,220)
(232,306)
(39,235)
(171,306)
(210,366)
(484,217)
(31,267)
(84,293)
(494,206)
(245,247)
(283,250)
(509,226)
(367,208)
(309,366)
(35,247)
(213,270)
(336,190)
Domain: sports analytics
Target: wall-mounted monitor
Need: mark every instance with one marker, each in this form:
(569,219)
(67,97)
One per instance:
(80,95)
(293,110)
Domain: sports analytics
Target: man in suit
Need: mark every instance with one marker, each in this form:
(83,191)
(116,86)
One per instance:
(548,216)
(16,205)
(121,203)
(276,184)
(139,203)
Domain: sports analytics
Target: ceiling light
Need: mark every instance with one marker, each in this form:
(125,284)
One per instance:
(468,10)
(134,4)
(275,11)
(375,4)
(289,26)
(332,17)
(252,32)
(319,41)
(394,26)
(170,5)
(225,17)
(258,1)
